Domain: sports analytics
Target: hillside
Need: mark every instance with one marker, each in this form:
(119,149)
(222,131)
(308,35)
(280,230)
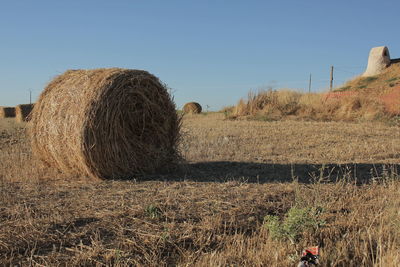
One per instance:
(360,99)
(374,84)
(385,88)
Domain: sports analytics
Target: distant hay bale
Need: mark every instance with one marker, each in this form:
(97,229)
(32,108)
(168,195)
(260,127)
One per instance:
(23,111)
(192,108)
(106,123)
(7,112)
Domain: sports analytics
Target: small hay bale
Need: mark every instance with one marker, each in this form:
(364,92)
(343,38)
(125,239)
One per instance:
(192,108)
(7,112)
(106,123)
(23,112)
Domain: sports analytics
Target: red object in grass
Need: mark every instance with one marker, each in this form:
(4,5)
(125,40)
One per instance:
(312,250)
(339,95)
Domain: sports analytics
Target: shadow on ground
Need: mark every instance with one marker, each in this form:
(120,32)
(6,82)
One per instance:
(223,171)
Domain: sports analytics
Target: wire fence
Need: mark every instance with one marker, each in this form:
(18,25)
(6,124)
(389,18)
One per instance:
(340,76)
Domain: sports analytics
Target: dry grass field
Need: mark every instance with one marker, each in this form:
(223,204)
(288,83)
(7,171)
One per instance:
(251,193)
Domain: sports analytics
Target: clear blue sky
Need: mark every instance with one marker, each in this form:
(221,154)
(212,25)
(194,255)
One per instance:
(212,52)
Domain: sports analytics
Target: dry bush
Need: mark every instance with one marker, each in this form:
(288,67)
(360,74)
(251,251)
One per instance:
(359,106)
(7,112)
(23,112)
(227,109)
(344,108)
(106,123)
(192,108)
(391,100)
(274,104)
(288,104)
(270,102)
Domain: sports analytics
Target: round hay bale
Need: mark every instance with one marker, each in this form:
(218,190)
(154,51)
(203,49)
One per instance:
(23,112)
(7,112)
(106,123)
(192,108)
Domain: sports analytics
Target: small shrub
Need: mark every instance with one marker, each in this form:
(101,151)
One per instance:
(228,109)
(394,121)
(153,211)
(345,88)
(165,236)
(295,222)
(392,79)
(264,117)
(369,79)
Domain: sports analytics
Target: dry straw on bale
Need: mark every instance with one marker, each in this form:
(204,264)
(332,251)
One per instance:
(192,107)
(7,112)
(106,123)
(23,112)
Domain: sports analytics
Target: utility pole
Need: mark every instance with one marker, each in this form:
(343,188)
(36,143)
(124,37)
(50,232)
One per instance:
(331,80)
(309,85)
(30,96)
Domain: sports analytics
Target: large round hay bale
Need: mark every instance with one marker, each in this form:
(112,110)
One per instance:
(7,112)
(192,108)
(106,123)
(23,112)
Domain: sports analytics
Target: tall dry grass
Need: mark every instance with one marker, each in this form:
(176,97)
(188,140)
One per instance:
(274,105)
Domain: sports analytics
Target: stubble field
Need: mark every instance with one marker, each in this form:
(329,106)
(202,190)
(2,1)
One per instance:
(251,193)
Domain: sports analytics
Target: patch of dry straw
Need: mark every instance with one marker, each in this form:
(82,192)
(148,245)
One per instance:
(192,108)
(106,123)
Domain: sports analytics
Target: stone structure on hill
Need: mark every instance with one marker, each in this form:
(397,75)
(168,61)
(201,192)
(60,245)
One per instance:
(378,60)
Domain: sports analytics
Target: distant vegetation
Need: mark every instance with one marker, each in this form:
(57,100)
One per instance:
(276,105)
(364,98)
